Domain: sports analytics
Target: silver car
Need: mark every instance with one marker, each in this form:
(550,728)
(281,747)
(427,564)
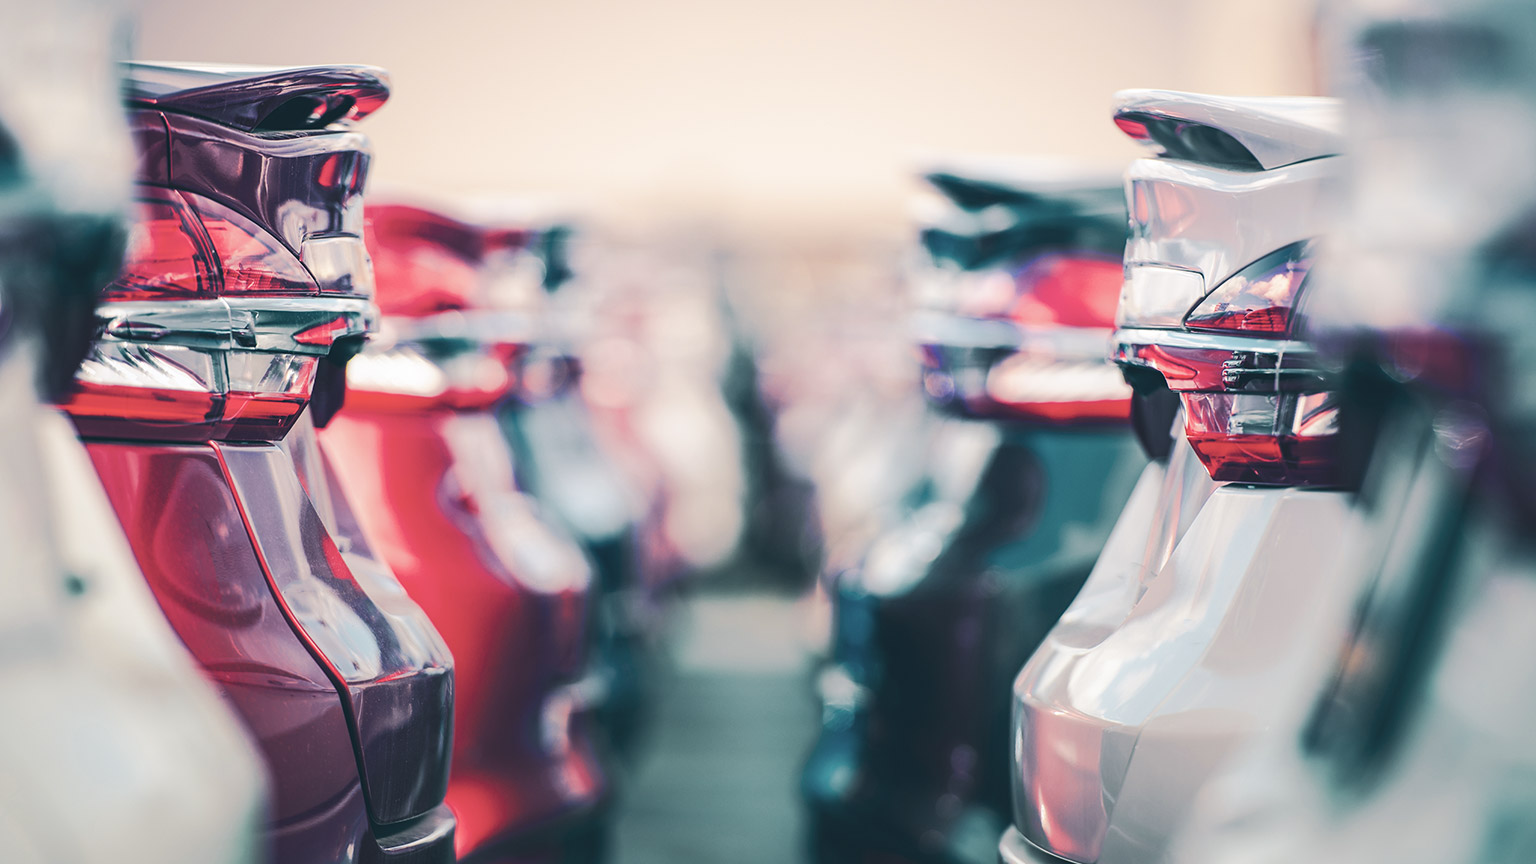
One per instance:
(1416,745)
(1215,588)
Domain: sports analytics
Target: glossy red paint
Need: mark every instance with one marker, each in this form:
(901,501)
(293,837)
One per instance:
(341,678)
(440,524)
(431,481)
(185,528)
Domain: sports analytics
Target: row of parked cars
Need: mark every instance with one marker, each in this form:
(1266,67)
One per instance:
(313,550)
(1221,549)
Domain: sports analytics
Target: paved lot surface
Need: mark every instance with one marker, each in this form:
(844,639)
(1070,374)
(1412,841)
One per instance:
(735,720)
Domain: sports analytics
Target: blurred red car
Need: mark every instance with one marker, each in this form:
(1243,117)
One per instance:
(421,450)
(245,290)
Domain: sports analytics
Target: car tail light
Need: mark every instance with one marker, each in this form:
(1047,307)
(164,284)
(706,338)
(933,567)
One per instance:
(213,330)
(164,257)
(1259,299)
(1236,188)
(253,261)
(1059,375)
(1286,439)
(1257,407)
(404,378)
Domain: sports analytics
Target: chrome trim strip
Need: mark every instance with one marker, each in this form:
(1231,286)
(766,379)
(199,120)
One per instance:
(1132,336)
(253,323)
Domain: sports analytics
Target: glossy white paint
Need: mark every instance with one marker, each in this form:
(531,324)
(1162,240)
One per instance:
(1205,602)
(113,748)
(1441,180)
(1207,607)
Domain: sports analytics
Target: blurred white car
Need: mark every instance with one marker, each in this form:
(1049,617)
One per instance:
(1415,744)
(1216,586)
(112,746)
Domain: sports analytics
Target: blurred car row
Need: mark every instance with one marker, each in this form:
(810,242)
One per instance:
(1301,632)
(316,551)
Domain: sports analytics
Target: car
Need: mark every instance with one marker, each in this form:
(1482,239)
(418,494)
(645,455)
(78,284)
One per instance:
(1216,585)
(419,448)
(1411,739)
(245,290)
(563,462)
(112,746)
(1031,461)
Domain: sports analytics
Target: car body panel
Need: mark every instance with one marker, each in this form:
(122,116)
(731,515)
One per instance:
(1170,663)
(932,630)
(100,682)
(397,672)
(340,677)
(185,525)
(1210,598)
(434,490)
(112,746)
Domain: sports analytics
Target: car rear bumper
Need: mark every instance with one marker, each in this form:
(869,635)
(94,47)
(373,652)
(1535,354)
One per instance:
(1014,849)
(1161,668)
(427,839)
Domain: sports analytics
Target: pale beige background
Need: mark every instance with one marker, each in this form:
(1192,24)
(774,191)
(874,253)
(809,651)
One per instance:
(760,118)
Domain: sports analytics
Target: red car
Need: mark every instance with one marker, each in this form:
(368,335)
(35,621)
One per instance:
(246,289)
(422,452)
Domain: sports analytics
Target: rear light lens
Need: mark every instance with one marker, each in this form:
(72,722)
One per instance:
(253,262)
(172,392)
(404,379)
(1068,291)
(224,333)
(1039,387)
(1154,296)
(1284,439)
(164,256)
(1256,410)
(1260,298)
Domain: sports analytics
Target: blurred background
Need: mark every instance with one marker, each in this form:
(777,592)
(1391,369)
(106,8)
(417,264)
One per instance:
(742,175)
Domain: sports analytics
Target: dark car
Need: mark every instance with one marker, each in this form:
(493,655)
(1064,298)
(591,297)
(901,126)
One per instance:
(246,289)
(563,462)
(1021,489)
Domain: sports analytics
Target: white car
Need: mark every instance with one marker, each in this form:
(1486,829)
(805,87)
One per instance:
(112,746)
(1216,587)
(1417,744)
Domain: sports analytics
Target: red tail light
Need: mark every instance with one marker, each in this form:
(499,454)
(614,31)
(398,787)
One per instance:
(1065,305)
(405,379)
(164,257)
(1287,439)
(253,262)
(1256,407)
(1259,299)
(213,330)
